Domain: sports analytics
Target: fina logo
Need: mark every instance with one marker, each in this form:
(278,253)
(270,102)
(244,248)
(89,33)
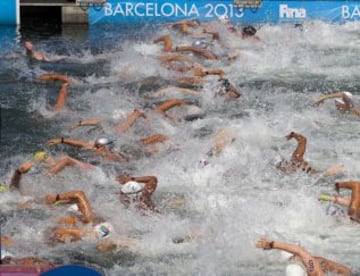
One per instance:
(286,12)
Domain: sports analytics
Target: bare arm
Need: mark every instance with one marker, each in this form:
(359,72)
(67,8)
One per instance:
(54,77)
(15,183)
(198,51)
(300,149)
(61,100)
(311,263)
(329,96)
(331,266)
(130,121)
(336,199)
(354,208)
(77,197)
(167,41)
(87,122)
(71,142)
(67,161)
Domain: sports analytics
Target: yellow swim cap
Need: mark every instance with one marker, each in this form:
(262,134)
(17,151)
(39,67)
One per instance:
(2,188)
(40,156)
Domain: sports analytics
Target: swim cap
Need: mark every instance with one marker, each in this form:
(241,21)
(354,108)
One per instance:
(348,94)
(132,187)
(103,230)
(102,141)
(249,30)
(40,156)
(2,188)
(200,43)
(295,270)
(224,19)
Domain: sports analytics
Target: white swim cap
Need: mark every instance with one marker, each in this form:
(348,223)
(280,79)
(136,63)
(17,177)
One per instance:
(74,208)
(224,19)
(295,270)
(103,141)
(348,94)
(103,230)
(132,187)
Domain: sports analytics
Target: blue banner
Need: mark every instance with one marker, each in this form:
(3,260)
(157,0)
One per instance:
(9,12)
(160,11)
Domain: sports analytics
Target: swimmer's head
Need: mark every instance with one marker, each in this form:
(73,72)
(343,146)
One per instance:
(347,94)
(103,230)
(28,45)
(40,156)
(295,270)
(249,31)
(132,187)
(224,19)
(200,43)
(102,141)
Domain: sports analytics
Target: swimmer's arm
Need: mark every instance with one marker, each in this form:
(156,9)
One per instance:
(150,182)
(64,234)
(300,149)
(329,96)
(163,91)
(170,104)
(15,183)
(167,41)
(312,265)
(77,197)
(154,139)
(67,161)
(71,142)
(61,100)
(130,121)
(328,265)
(336,199)
(86,122)
(54,77)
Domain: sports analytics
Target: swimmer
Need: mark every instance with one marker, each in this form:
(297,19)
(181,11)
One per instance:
(303,263)
(31,53)
(54,77)
(87,122)
(130,121)
(297,161)
(343,102)
(353,203)
(102,147)
(249,33)
(204,53)
(44,162)
(228,90)
(223,138)
(167,105)
(167,42)
(61,100)
(138,191)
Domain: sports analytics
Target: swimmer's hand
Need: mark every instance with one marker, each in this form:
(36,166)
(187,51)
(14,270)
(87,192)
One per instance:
(124,178)
(290,135)
(321,100)
(334,170)
(264,244)
(25,167)
(139,114)
(53,142)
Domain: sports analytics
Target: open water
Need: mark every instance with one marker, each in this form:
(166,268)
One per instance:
(237,198)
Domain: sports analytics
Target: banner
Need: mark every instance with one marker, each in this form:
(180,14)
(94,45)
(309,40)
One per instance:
(9,12)
(160,11)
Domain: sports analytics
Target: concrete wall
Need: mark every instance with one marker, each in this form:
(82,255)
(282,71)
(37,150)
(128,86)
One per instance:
(74,15)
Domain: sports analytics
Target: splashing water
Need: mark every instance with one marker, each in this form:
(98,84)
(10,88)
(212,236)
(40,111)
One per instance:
(225,205)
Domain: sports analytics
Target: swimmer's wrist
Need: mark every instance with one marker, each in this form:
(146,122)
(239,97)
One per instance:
(18,172)
(271,245)
(62,140)
(80,123)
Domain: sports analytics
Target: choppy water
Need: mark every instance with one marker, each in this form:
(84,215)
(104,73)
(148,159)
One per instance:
(235,200)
